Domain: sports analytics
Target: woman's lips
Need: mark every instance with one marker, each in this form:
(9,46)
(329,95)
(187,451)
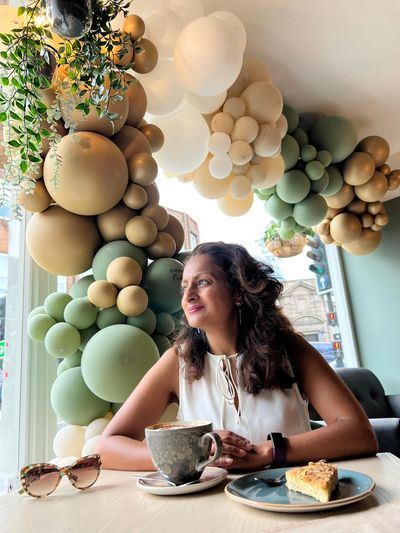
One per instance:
(194,308)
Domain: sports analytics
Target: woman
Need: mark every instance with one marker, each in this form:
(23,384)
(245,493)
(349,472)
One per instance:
(238,363)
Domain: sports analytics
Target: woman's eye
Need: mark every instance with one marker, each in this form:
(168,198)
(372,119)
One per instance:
(182,289)
(202,282)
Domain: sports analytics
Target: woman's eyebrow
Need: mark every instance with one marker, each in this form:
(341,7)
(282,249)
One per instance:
(205,273)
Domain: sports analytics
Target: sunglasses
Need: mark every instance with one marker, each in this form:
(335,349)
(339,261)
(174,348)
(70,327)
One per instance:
(41,479)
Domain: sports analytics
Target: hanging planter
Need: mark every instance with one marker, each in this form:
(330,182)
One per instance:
(70,19)
(286,248)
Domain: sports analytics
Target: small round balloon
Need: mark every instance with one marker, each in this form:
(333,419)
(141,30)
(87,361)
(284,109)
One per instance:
(162,282)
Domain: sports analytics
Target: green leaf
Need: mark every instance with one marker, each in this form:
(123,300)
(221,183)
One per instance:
(14,143)
(23,166)
(21,10)
(15,116)
(3,116)
(34,159)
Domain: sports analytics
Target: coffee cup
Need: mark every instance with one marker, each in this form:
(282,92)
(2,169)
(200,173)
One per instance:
(180,450)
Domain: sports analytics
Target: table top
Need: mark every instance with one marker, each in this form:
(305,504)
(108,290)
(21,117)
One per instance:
(116,504)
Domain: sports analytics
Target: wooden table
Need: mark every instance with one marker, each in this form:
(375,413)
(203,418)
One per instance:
(115,504)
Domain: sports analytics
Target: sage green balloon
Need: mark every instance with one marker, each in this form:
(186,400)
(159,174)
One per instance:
(165,324)
(73,401)
(264,194)
(111,251)
(162,282)
(116,359)
(314,170)
(293,187)
(80,287)
(308,152)
(80,313)
(110,316)
(73,360)
(277,208)
(292,117)
(298,228)
(62,340)
(146,321)
(290,151)
(288,224)
(308,119)
(39,325)
(182,257)
(61,367)
(40,310)
(321,184)
(335,181)
(286,235)
(55,304)
(324,157)
(162,342)
(86,335)
(310,211)
(335,134)
(115,407)
(301,137)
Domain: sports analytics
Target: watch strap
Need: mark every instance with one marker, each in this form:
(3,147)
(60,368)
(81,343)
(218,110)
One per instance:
(278,448)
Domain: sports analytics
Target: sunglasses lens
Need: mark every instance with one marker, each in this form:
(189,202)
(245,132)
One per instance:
(84,473)
(41,481)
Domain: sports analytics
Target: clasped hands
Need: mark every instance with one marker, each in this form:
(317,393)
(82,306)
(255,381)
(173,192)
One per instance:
(239,453)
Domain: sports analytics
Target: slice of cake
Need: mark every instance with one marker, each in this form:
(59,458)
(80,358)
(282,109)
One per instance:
(316,479)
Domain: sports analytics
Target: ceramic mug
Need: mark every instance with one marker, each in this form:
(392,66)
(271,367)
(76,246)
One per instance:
(180,450)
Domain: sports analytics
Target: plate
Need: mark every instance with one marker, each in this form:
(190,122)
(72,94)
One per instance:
(211,476)
(352,487)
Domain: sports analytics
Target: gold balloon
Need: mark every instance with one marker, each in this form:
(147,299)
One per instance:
(367,220)
(61,242)
(132,301)
(323,227)
(131,141)
(326,239)
(102,293)
(365,244)
(357,207)
(175,229)
(112,223)
(358,168)
(376,227)
(376,147)
(385,169)
(134,26)
(234,207)
(208,186)
(157,213)
(145,60)
(154,135)
(381,219)
(332,212)
(142,168)
(341,198)
(141,231)
(345,227)
(394,180)
(137,101)
(163,246)
(37,201)
(153,194)
(124,271)
(375,189)
(375,207)
(135,196)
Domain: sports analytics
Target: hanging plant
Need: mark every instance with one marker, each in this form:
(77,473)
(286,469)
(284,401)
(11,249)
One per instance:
(285,243)
(30,58)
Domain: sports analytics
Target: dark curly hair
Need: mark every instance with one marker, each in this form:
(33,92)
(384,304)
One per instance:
(264,331)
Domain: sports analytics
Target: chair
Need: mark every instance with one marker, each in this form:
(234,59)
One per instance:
(383,410)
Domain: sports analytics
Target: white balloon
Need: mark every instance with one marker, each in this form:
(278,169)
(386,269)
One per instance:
(69,441)
(163,27)
(207,60)
(64,461)
(90,446)
(96,427)
(219,143)
(188,10)
(220,167)
(162,87)
(206,104)
(268,140)
(282,125)
(240,186)
(235,24)
(185,139)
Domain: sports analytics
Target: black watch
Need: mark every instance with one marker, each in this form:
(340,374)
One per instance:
(278,448)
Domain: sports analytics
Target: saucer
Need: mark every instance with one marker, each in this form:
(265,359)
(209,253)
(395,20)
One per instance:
(211,476)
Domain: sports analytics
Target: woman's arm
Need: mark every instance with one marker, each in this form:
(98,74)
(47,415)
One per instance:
(121,445)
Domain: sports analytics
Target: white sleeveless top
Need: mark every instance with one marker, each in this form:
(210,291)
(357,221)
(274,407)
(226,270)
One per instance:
(212,398)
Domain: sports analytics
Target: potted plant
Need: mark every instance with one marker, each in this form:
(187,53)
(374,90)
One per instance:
(285,241)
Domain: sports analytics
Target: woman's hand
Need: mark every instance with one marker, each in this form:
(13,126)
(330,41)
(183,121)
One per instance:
(234,446)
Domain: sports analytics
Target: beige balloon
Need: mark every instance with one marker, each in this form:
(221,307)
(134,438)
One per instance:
(61,242)
(332,212)
(175,229)
(142,168)
(112,223)
(124,271)
(102,293)
(376,147)
(141,231)
(135,196)
(375,189)
(376,227)
(131,141)
(256,71)
(245,129)
(367,220)
(385,169)
(240,152)
(257,174)
(222,122)
(375,207)
(153,194)
(134,26)
(345,227)
(207,185)
(92,177)
(323,227)
(342,198)
(263,102)
(37,201)
(157,213)
(145,60)
(394,180)
(381,219)
(235,107)
(137,101)
(358,168)
(274,169)
(327,239)
(132,301)
(268,140)
(241,169)
(365,244)
(240,83)
(154,135)
(357,207)
(234,207)
(187,178)
(163,246)
(240,187)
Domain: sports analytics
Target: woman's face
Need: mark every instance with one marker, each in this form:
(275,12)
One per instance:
(207,299)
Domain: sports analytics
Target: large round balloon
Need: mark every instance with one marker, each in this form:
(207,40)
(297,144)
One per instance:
(175,229)
(358,168)
(61,242)
(62,340)
(162,282)
(277,208)
(235,207)
(137,101)
(73,401)
(335,134)
(92,177)
(367,242)
(345,227)
(374,189)
(263,102)
(111,224)
(111,251)
(208,186)
(310,211)
(293,187)
(377,147)
(116,359)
